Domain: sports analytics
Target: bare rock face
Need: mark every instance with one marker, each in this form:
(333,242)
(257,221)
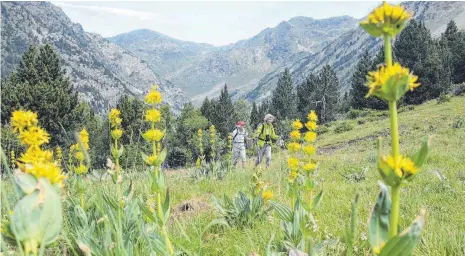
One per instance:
(101,71)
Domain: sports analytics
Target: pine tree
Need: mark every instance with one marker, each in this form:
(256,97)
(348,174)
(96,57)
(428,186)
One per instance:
(242,110)
(455,41)
(224,116)
(263,109)
(358,83)
(326,95)
(207,108)
(283,99)
(40,85)
(305,91)
(254,116)
(132,113)
(415,49)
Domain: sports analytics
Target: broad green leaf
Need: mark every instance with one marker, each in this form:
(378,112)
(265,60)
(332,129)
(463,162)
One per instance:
(283,211)
(420,157)
(120,151)
(161,157)
(144,157)
(26,183)
(378,225)
(166,207)
(404,243)
(317,200)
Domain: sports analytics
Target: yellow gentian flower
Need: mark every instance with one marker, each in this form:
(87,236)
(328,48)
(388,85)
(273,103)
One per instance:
(152,115)
(21,119)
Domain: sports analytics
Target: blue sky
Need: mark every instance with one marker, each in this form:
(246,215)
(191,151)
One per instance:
(217,23)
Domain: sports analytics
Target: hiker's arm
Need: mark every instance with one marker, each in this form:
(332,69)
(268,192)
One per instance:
(273,134)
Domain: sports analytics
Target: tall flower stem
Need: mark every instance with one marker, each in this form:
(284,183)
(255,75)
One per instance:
(387,50)
(163,227)
(395,191)
(393,219)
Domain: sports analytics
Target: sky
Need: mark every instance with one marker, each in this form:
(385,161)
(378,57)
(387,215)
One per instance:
(217,23)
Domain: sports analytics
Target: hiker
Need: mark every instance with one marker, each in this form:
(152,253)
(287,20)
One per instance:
(239,140)
(266,135)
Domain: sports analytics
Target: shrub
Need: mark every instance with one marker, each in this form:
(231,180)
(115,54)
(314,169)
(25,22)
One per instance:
(322,129)
(343,127)
(459,89)
(443,98)
(356,113)
(177,157)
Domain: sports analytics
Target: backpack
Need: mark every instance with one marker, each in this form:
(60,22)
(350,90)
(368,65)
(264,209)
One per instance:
(237,132)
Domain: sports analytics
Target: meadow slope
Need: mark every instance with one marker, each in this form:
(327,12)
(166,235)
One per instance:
(347,147)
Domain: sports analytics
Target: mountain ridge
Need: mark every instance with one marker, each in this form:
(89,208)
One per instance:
(101,71)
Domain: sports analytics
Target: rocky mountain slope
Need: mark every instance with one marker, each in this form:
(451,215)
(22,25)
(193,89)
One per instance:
(165,54)
(240,65)
(101,71)
(344,52)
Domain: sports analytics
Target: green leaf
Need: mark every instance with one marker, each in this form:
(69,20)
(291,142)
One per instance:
(420,157)
(283,211)
(317,199)
(161,157)
(26,183)
(378,225)
(166,207)
(144,157)
(404,243)
(38,215)
(120,151)
(129,193)
(371,29)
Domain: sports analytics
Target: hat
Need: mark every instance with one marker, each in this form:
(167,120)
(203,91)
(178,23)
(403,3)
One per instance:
(268,116)
(240,123)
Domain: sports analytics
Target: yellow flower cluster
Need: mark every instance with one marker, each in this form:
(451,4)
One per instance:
(213,140)
(115,121)
(23,119)
(267,195)
(391,79)
(402,166)
(59,154)
(154,96)
(13,159)
(153,135)
(114,117)
(307,148)
(153,116)
(78,153)
(35,161)
(386,20)
(230,141)
(200,141)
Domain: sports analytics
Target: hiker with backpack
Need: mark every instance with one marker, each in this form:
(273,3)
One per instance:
(265,135)
(239,141)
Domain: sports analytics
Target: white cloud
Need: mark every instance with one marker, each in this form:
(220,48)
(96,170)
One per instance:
(109,10)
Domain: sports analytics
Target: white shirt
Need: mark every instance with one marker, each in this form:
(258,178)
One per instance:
(239,136)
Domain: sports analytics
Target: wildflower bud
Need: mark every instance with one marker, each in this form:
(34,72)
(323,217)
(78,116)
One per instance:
(391,83)
(386,20)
